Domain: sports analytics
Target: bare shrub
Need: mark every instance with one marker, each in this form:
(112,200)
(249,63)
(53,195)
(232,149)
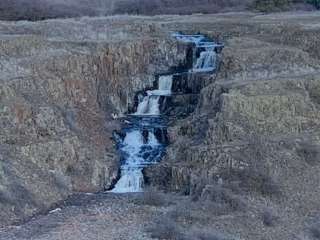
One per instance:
(216,209)
(176,223)
(152,197)
(223,196)
(272,5)
(258,181)
(151,7)
(197,234)
(126,6)
(283,5)
(269,218)
(218,199)
(165,228)
(183,213)
(256,177)
(315,230)
(42,9)
(309,152)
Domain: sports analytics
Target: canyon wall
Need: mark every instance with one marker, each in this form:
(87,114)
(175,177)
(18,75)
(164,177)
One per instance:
(255,128)
(252,141)
(252,127)
(62,84)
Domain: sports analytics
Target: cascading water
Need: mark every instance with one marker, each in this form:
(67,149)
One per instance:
(139,150)
(144,133)
(148,106)
(164,88)
(189,38)
(150,103)
(206,61)
(141,146)
(165,85)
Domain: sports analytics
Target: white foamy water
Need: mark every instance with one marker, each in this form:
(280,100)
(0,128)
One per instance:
(140,147)
(131,181)
(150,103)
(165,83)
(206,62)
(152,140)
(134,146)
(149,106)
(189,38)
(140,150)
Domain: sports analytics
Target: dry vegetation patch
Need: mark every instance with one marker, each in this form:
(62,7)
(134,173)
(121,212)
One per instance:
(315,229)
(269,218)
(309,152)
(152,197)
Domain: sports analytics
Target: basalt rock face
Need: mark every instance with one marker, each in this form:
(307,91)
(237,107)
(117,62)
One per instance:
(257,111)
(62,83)
(255,129)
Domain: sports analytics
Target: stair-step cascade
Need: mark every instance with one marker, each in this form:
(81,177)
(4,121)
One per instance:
(143,138)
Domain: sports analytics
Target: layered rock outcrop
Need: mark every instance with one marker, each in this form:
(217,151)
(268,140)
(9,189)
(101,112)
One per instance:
(255,130)
(256,113)
(62,84)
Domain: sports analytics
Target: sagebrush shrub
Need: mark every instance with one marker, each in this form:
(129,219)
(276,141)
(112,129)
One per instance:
(165,228)
(268,218)
(315,230)
(309,152)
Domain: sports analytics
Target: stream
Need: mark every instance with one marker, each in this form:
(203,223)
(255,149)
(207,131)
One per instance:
(143,138)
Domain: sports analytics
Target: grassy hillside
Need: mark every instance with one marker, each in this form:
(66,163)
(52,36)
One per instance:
(42,9)
(282,5)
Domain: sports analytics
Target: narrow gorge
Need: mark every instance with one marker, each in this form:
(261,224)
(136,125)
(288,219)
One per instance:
(144,137)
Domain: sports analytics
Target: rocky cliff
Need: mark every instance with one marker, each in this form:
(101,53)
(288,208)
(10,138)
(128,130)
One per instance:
(62,84)
(255,127)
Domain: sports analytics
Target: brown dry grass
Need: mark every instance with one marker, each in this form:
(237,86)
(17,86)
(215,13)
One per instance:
(43,9)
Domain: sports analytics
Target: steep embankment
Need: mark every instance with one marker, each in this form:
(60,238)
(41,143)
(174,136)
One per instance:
(265,86)
(60,84)
(255,130)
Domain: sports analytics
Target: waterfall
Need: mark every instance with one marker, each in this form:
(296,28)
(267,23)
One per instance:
(131,181)
(164,88)
(149,106)
(131,178)
(140,150)
(140,147)
(150,103)
(189,38)
(165,83)
(206,61)
(144,133)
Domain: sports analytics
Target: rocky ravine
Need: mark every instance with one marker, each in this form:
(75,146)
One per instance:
(60,80)
(255,129)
